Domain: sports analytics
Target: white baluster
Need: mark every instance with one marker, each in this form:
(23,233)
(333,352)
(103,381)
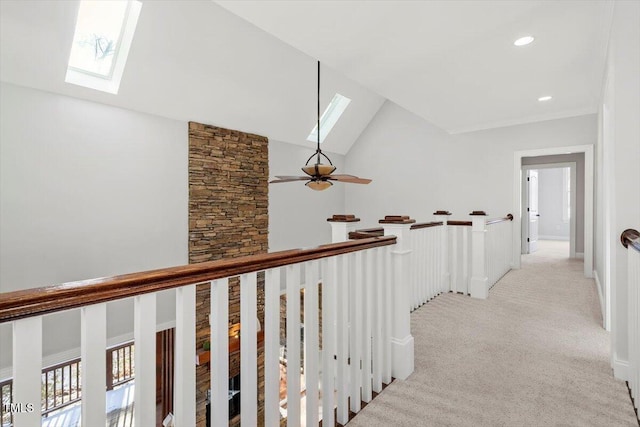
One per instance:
(311,341)
(93,333)
(342,337)
(144,332)
(466,249)
(386,315)
(27,368)
(377,321)
(453,258)
(248,349)
(219,319)
(272,347)
(184,394)
(368,291)
(293,345)
(355,334)
(329,280)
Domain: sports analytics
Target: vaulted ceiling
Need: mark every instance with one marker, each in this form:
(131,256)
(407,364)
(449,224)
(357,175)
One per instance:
(250,65)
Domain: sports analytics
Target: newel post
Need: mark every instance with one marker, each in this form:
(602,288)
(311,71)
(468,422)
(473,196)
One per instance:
(341,226)
(402,353)
(446,275)
(478,286)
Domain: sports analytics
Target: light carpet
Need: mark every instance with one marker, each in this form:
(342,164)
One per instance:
(533,354)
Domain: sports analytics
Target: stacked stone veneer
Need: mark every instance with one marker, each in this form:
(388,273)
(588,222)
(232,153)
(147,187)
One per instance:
(228,217)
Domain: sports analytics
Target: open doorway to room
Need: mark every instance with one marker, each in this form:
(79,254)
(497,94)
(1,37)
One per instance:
(551,208)
(584,230)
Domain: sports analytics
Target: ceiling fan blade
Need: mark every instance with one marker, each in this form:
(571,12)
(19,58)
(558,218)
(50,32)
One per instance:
(349,178)
(288,179)
(299,178)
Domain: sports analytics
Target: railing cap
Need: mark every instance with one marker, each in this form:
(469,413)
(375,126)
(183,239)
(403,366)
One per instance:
(397,219)
(442,213)
(478,213)
(343,218)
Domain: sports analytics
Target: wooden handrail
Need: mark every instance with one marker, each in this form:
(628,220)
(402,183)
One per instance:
(426,225)
(465,223)
(39,301)
(630,238)
(509,217)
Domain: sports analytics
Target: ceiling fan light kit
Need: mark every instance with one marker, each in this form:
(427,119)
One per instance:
(320,175)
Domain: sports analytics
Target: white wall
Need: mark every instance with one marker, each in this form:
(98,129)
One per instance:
(89,190)
(620,153)
(550,205)
(418,168)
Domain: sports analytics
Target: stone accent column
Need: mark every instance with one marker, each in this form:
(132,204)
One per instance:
(446,274)
(479,283)
(402,346)
(341,226)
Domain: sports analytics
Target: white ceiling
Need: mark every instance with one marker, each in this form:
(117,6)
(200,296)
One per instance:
(450,62)
(189,60)
(453,62)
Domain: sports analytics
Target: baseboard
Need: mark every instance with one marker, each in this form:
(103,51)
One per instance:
(600,296)
(74,353)
(620,369)
(561,238)
(580,255)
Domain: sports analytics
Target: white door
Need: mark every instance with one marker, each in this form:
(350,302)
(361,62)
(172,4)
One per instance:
(532,210)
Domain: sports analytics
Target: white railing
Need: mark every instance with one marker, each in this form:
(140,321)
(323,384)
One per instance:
(428,262)
(365,334)
(499,238)
(631,240)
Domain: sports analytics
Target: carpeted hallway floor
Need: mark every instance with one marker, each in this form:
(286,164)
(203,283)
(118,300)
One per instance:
(533,354)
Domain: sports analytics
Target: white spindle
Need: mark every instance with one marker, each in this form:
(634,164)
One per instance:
(248,349)
(272,347)
(377,286)
(93,333)
(465,260)
(387,313)
(355,321)
(311,341)
(330,272)
(293,345)
(144,332)
(184,393)
(633,280)
(342,337)
(454,259)
(27,365)
(368,290)
(219,319)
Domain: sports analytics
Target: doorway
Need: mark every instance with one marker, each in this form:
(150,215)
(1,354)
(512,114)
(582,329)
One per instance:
(588,199)
(549,208)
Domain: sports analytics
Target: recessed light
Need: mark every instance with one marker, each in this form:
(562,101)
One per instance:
(544,98)
(523,41)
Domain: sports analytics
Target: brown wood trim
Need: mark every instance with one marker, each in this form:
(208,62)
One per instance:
(478,213)
(442,213)
(465,223)
(366,233)
(426,225)
(38,301)
(343,218)
(630,237)
(397,219)
(509,217)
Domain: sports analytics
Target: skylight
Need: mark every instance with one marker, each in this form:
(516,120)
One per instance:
(103,36)
(330,117)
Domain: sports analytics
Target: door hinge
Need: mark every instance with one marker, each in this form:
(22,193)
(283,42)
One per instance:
(527,209)
(527,178)
(527,239)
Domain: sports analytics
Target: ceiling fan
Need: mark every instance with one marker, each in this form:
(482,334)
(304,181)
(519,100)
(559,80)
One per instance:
(319,175)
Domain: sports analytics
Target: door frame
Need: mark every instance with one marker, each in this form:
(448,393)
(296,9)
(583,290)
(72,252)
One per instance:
(572,221)
(588,198)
